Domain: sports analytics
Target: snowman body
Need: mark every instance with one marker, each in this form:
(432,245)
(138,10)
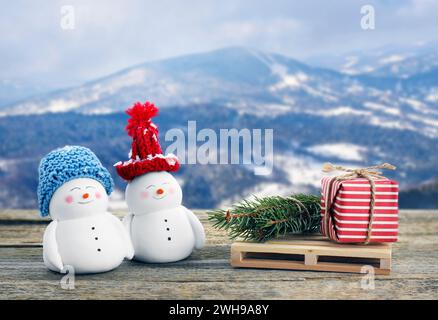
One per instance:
(161,229)
(83,235)
(162,236)
(91,244)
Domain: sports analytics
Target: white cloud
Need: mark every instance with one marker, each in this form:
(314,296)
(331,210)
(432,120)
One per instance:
(113,35)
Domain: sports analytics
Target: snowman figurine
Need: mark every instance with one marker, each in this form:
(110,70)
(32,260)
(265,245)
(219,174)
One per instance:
(73,189)
(161,229)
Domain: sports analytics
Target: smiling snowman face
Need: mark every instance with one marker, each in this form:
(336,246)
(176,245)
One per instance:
(78,198)
(153,192)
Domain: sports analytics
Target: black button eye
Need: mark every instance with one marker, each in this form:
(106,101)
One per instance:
(169,239)
(99,250)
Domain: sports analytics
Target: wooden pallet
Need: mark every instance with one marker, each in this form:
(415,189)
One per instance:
(314,253)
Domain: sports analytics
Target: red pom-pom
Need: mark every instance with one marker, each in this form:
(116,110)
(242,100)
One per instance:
(141,114)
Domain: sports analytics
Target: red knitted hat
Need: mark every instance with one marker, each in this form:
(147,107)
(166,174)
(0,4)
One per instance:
(146,155)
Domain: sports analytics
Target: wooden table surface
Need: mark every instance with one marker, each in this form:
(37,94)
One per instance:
(207,274)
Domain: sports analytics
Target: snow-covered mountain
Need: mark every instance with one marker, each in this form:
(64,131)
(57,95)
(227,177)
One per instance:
(317,115)
(12,91)
(258,83)
(400,61)
(237,77)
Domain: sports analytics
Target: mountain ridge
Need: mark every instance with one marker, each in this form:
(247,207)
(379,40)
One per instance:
(189,61)
(317,115)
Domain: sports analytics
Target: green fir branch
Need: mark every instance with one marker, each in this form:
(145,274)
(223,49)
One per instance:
(266,218)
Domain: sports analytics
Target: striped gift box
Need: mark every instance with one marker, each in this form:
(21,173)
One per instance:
(349,210)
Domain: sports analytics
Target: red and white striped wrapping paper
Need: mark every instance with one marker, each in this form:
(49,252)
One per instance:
(349,211)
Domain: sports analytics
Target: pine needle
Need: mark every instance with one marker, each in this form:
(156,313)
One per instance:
(265,218)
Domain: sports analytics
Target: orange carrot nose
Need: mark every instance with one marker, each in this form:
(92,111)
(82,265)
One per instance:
(85,195)
(160,191)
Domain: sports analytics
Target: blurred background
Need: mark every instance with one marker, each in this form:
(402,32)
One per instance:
(335,83)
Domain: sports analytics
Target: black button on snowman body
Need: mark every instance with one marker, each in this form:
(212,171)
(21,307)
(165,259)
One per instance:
(167,229)
(96,238)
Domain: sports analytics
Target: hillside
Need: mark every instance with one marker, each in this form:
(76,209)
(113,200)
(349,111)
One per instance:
(317,115)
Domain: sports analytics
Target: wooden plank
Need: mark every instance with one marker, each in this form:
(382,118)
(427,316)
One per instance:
(24,276)
(385,263)
(327,248)
(346,289)
(33,216)
(29,228)
(316,254)
(298,265)
(310,259)
(207,274)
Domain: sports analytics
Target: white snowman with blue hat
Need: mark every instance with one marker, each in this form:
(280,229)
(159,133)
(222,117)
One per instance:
(73,189)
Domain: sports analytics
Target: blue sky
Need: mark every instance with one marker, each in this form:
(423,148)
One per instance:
(111,35)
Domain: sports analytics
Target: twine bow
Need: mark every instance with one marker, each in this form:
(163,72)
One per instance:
(369,173)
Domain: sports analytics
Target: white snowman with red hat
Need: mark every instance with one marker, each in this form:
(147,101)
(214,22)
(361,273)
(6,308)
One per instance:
(161,228)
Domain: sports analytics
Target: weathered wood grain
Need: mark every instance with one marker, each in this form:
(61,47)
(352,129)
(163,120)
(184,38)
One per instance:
(207,274)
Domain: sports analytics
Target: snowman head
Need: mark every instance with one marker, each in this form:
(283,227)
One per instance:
(78,198)
(152,192)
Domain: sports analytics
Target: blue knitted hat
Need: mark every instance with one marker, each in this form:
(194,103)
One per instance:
(65,164)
